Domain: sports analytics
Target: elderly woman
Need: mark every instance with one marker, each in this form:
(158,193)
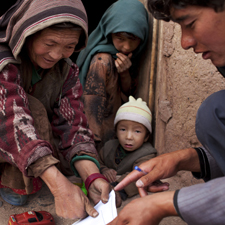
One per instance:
(44,133)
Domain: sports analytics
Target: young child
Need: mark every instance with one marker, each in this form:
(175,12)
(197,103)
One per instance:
(108,65)
(120,156)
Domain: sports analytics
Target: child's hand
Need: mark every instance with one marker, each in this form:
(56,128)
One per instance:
(110,174)
(123,62)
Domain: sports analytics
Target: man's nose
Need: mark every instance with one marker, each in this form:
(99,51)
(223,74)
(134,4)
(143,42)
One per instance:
(187,40)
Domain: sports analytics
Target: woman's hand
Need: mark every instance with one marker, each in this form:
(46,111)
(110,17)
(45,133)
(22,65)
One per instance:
(123,62)
(150,209)
(110,174)
(70,201)
(100,189)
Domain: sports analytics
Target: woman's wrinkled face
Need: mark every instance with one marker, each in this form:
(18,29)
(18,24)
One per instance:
(203,29)
(125,44)
(49,46)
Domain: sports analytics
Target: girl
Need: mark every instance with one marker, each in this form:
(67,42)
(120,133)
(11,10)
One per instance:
(107,65)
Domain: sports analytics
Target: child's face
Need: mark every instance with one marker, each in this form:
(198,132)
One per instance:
(125,44)
(131,134)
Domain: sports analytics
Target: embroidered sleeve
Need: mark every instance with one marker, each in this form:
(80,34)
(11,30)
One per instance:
(20,144)
(69,121)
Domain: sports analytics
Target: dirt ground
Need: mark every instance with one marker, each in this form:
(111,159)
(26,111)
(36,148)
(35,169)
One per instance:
(43,200)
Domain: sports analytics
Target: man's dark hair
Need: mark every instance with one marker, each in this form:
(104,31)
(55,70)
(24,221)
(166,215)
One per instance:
(160,9)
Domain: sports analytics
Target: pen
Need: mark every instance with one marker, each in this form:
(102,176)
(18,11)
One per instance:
(140,170)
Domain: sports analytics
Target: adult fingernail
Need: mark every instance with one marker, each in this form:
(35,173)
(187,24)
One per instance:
(105,200)
(139,183)
(95,214)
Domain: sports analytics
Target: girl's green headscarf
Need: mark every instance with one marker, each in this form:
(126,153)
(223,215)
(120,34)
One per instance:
(122,16)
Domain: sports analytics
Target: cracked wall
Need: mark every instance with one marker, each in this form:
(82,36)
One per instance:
(183,81)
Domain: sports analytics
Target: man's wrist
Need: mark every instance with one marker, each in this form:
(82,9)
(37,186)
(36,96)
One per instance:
(176,203)
(188,160)
(167,204)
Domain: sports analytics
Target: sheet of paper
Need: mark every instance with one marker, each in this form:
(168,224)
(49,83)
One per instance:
(107,212)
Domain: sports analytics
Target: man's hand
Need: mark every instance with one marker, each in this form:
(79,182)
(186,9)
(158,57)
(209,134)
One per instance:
(150,209)
(70,201)
(161,167)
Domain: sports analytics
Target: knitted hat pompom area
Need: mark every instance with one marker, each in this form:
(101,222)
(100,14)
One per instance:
(135,110)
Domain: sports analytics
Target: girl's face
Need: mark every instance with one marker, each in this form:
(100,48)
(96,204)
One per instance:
(125,44)
(49,46)
(203,29)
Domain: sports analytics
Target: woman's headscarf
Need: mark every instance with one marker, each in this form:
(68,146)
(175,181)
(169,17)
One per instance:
(122,16)
(27,17)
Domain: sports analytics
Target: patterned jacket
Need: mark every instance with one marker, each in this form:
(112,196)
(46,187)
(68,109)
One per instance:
(20,144)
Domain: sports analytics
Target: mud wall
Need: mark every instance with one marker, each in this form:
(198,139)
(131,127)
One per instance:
(183,81)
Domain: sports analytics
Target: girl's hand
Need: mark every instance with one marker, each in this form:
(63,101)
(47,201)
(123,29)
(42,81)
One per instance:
(123,62)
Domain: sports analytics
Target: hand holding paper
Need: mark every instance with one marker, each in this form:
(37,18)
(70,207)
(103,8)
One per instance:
(107,212)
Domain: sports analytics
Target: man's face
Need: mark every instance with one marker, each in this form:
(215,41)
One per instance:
(203,29)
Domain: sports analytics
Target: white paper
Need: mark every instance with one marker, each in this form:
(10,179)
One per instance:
(107,212)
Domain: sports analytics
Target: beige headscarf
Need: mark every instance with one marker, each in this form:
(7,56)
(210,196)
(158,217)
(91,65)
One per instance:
(26,17)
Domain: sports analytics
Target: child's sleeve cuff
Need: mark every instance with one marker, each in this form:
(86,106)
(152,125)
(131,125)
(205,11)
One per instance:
(82,157)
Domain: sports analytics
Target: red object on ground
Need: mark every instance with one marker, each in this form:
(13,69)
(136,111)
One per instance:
(32,218)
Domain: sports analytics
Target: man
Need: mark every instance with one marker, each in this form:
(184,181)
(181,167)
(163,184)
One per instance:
(203,29)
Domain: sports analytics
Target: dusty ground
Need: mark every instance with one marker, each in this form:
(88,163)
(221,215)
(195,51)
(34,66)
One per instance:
(43,200)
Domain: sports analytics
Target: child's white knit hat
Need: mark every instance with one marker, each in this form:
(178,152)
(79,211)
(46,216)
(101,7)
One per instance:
(135,110)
